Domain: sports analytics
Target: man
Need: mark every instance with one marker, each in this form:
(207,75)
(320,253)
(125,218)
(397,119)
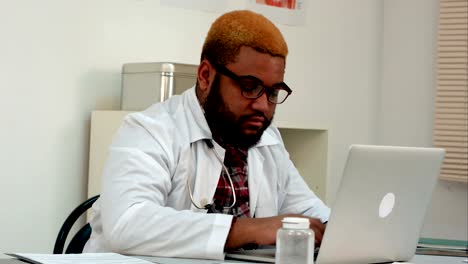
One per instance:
(171,171)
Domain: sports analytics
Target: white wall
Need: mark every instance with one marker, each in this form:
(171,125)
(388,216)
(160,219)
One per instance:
(62,59)
(407,103)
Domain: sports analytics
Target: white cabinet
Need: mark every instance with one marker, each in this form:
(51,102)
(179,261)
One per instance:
(104,124)
(308,149)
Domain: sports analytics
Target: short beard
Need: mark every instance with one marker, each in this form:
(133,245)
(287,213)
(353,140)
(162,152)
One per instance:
(225,126)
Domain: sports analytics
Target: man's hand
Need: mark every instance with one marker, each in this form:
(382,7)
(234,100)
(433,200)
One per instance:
(262,231)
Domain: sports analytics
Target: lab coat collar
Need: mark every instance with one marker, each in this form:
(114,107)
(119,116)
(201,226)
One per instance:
(199,128)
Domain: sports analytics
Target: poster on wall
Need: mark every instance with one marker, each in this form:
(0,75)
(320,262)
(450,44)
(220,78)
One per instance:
(288,12)
(203,5)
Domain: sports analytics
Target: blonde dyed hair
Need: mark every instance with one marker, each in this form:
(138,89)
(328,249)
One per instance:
(242,28)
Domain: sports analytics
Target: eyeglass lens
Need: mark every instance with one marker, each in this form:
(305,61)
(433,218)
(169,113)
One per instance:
(253,88)
(275,95)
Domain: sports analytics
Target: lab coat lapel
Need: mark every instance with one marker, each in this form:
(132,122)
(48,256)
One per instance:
(255,165)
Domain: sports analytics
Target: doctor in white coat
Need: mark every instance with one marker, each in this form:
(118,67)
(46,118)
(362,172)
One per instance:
(165,164)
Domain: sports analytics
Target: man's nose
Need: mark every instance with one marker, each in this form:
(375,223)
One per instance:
(262,104)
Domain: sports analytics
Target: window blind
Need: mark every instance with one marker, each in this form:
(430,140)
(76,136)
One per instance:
(451,111)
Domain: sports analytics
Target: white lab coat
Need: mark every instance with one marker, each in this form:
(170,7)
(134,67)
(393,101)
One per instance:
(145,207)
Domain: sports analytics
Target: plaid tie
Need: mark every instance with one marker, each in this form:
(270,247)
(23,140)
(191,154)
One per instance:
(236,162)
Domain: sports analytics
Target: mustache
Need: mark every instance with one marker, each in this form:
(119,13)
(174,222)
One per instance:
(254,115)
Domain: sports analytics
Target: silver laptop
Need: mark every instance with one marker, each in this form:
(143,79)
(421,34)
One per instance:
(380,205)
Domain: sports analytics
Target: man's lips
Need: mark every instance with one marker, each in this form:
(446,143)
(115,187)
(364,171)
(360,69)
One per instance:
(256,121)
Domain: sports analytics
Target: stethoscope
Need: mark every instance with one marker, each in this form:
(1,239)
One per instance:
(211,146)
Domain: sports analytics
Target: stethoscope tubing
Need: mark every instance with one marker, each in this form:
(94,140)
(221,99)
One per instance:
(234,200)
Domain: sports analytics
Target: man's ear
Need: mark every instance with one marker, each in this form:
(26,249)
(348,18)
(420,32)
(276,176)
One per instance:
(205,76)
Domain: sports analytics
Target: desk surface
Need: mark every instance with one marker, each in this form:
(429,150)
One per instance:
(418,259)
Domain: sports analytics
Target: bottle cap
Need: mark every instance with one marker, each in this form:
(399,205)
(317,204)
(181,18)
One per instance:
(295,223)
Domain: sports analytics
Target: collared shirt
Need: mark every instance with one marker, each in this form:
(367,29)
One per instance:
(235,161)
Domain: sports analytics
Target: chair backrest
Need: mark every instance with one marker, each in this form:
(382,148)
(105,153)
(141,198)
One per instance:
(78,241)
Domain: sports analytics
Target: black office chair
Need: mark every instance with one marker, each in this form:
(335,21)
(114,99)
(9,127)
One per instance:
(78,241)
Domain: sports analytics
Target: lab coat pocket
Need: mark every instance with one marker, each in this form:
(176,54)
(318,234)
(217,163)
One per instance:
(267,205)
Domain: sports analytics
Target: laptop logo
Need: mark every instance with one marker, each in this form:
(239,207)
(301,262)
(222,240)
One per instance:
(386,205)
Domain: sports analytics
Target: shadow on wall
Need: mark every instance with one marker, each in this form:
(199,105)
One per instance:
(99,90)
(95,90)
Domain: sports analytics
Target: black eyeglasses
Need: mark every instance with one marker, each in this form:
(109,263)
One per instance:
(253,88)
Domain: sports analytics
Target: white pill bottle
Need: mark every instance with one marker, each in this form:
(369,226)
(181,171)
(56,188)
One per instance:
(295,242)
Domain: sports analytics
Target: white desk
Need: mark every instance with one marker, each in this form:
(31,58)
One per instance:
(418,259)
(426,259)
